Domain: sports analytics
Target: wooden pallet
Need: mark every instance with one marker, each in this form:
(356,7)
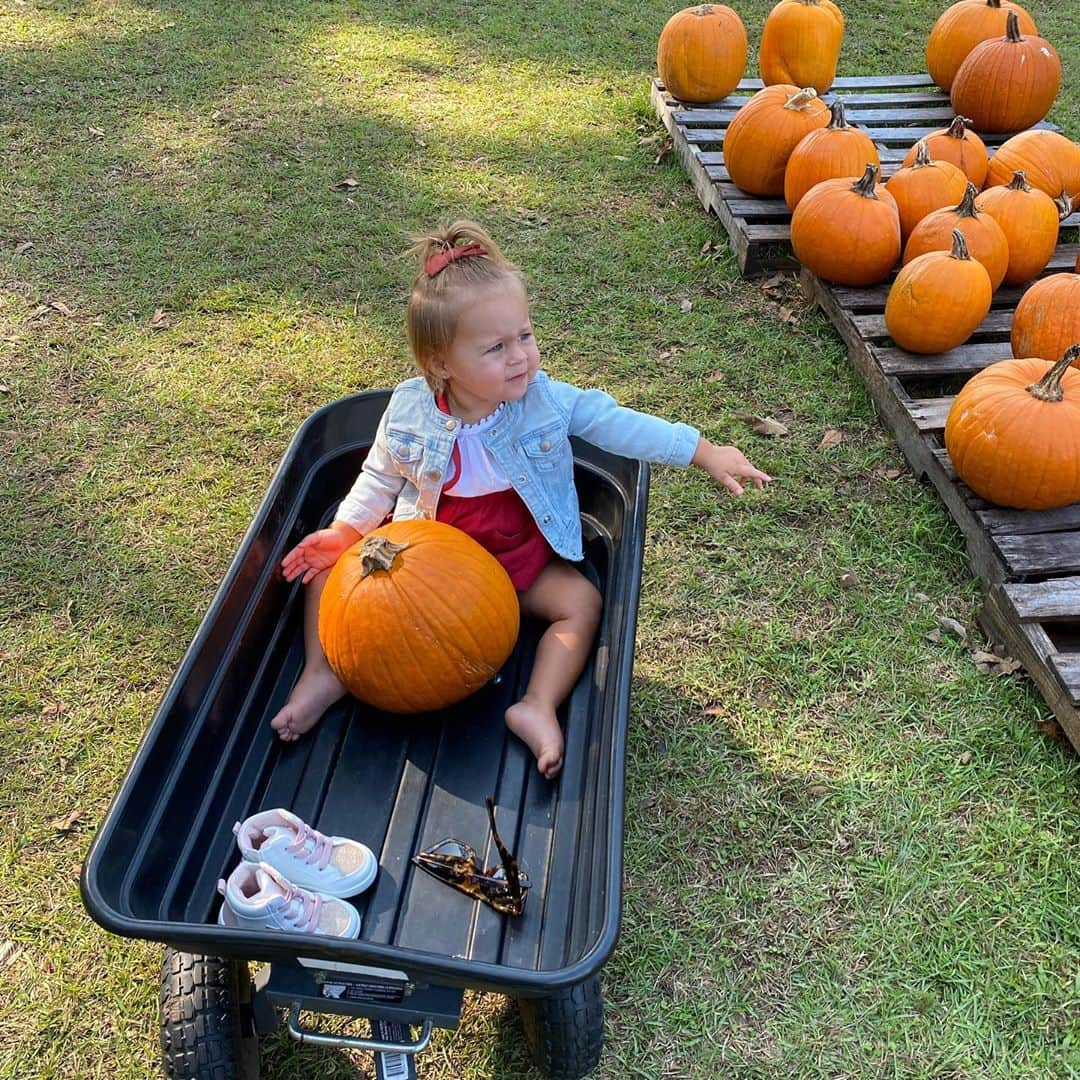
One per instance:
(895,110)
(1029,562)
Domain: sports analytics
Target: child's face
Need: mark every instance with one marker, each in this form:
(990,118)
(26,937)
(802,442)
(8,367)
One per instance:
(494,354)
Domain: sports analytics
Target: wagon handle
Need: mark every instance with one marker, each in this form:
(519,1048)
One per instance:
(354,1042)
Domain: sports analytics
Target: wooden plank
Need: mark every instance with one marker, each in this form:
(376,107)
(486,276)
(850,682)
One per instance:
(967,359)
(873,326)
(997,519)
(1039,555)
(1067,668)
(1031,645)
(1045,601)
(929,414)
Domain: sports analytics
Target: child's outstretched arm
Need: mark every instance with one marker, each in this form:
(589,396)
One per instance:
(728,465)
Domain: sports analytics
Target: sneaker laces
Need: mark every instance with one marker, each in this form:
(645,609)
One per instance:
(321,847)
(308,908)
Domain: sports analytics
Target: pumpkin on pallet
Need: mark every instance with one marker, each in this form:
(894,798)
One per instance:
(938,300)
(1013,432)
(959,145)
(1047,319)
(847,231)
(986,241)
(760,138)
(800,43)
(1007,83)
(701,54)
(963,26)
(1029,218)
(417,616)
(1049,160)
(924,186)
(838,150)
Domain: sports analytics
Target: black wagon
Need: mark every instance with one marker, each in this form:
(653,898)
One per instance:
(398,784)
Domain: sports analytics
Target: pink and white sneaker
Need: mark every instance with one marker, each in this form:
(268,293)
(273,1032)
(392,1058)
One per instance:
(332,865)
(257,897)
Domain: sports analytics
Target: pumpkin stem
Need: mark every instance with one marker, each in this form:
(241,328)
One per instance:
(703,10)
(967,208)
(958,128)
(866,185)
(1019,181)
(922,155)
(1012,28)
(1065,205)
(959,246)
(993,3)
(1048,388)
(378,553)
(839,116)
(800,101)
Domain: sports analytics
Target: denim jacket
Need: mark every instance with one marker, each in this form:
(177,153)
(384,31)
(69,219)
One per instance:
(407,463)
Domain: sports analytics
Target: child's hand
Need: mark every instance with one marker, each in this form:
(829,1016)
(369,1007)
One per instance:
(728,465)
(318,551)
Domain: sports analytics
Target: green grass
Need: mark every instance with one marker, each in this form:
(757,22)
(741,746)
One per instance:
(849,853)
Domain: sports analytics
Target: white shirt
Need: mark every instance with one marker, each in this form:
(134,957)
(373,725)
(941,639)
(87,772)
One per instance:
(473,471)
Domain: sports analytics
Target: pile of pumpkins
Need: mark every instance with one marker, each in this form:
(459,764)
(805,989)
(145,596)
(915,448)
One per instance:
(960,223)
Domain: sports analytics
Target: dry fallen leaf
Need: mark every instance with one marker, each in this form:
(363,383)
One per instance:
(347,184)
(850,580)
(98,132)
(965,758)
(831,438)
(817,789)
(686,305)
(59,305)
(1050,728)
(763,425)
(934,635)
(53,708)
(25,246)
(951,626)
(68,822)
(888,474)
(160,321)
(979,656)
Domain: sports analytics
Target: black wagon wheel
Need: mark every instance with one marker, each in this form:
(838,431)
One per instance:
(206,1028)
(565,1030)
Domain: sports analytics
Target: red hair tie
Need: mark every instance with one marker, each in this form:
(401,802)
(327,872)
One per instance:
(442,259)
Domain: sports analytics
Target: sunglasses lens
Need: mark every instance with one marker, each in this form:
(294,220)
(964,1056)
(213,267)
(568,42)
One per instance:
(452,849)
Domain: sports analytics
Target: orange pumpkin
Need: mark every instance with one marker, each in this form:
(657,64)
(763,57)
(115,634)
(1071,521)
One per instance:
(985,238)
(701,54)
(938,300)
(1007,83)
(961,27)
(1047,319)
(416,616)
(759,140)
(960,145)
(1013,432)
(924,186)
(1029,219)
(800,43)
(841,149)
(1049,160)
(847,231)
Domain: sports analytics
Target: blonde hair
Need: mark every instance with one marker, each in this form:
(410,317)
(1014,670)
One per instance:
(437,299)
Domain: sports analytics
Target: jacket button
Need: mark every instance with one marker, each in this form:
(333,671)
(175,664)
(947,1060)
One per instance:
(451,424)
(547,518)
(521,479)
(545,445)
(434,474)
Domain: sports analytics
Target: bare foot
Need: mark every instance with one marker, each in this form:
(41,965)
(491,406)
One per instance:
(315,691)
(538,727)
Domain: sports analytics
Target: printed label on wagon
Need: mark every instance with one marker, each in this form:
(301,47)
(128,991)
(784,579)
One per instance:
(351,988)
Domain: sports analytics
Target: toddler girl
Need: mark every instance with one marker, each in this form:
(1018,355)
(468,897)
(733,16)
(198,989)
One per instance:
(481,440)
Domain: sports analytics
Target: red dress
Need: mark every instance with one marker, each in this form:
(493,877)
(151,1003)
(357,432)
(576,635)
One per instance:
(500,522)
